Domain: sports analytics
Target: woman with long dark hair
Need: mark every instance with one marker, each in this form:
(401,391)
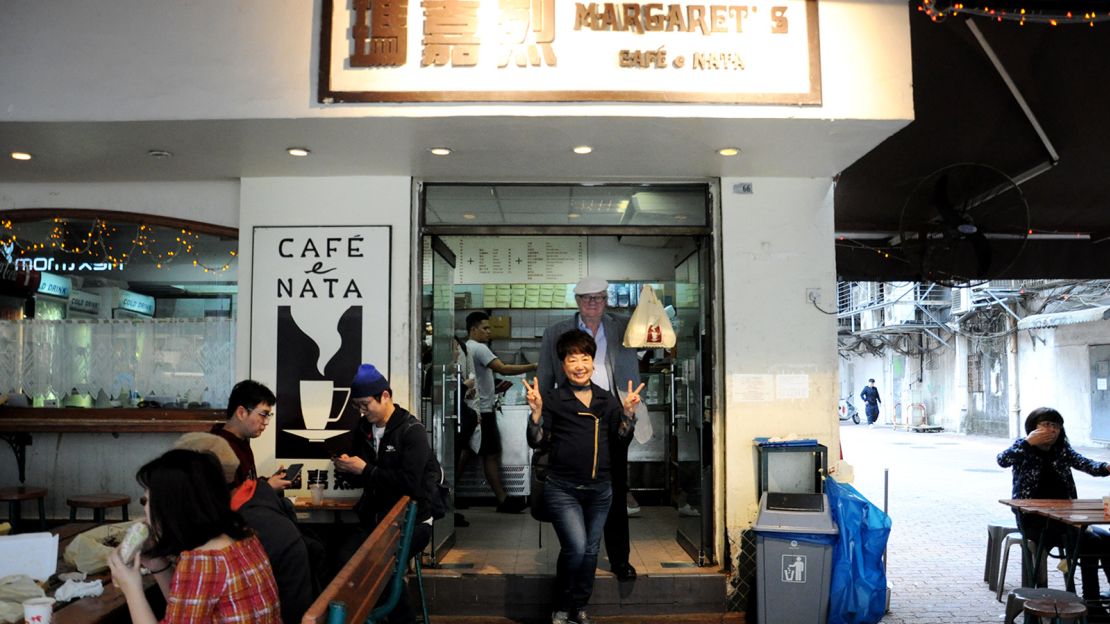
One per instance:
(1042,463)
(209,565)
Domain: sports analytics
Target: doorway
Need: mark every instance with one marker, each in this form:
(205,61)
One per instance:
(519,266)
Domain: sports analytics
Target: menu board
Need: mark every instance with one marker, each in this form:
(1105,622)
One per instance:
(520,260)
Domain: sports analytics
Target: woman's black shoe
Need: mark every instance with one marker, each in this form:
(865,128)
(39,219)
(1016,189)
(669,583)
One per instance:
(461,521)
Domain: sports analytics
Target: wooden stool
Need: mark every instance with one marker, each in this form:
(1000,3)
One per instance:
(1059,611)
(15,496)
(98,503)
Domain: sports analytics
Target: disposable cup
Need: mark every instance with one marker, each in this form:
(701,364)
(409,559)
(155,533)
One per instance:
(317,491)
(38,610)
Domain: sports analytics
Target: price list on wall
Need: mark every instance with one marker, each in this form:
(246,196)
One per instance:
(519,260)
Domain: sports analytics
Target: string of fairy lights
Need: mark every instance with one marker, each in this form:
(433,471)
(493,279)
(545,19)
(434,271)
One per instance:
(95,240)
(1004,10)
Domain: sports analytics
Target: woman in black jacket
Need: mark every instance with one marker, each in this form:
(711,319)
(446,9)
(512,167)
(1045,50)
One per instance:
(1042,463)
(576,421)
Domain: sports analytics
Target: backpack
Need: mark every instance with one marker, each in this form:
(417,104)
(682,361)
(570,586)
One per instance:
(436,489)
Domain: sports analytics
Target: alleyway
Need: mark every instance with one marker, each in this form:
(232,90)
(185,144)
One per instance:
(944,490)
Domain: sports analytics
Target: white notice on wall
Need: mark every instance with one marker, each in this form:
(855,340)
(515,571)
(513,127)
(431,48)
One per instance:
(752,388)
(1101,383)
(792,386)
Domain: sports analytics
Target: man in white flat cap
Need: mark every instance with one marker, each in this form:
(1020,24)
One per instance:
(615,365)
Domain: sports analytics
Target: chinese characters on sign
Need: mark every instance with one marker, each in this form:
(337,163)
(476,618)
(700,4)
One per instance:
(543,50)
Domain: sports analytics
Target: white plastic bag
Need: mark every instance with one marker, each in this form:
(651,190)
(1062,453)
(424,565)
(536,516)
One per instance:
(649,328)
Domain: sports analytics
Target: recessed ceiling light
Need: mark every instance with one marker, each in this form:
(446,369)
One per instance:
(298,151)
(469,216)
(440,151)
(21,156)
(583,149)
(159,154)
(573,215)
(728,151)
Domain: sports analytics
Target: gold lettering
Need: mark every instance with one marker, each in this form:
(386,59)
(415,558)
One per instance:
(675,18)
(450,32)
(779,23)
(740,13)
(526,29)
(380,33)
(610,19)
(696,13)
(654,19)
(632,18)
(718,18)
(583,15)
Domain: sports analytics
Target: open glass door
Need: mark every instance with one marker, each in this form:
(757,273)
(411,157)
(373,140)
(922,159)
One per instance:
(692,455)
(442,375)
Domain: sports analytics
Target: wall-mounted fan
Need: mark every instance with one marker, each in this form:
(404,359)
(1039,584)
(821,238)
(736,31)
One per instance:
(964,223)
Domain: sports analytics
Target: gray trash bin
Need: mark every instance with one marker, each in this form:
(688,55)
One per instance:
(794,538)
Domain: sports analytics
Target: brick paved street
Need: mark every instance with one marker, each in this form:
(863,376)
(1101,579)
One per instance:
(944,490)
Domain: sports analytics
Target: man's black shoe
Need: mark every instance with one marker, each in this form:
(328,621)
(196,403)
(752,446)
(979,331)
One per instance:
(624,572)
(461,521)
(512,505)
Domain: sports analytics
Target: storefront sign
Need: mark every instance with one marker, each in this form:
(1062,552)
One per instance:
(55,285)
(134,302)
(319,308)
(45,263)
(760,52)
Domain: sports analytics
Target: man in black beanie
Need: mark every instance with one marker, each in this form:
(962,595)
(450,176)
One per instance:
(389,457)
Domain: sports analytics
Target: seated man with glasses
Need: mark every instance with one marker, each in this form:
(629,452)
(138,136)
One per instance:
(249,409)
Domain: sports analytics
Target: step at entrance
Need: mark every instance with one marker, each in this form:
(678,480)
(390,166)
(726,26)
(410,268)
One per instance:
(527,597)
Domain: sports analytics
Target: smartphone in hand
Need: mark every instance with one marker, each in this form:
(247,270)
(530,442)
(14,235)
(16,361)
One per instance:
(293,474)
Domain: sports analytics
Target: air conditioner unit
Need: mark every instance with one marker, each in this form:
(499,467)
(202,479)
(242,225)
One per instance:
(961,300)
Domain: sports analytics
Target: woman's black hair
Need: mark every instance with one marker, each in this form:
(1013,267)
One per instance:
(189,502)
(575,341)
(461,343)
(1047,414)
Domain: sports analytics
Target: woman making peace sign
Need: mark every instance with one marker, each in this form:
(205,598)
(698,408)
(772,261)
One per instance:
(576,421)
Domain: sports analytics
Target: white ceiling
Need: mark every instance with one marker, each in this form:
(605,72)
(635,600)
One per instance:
(486,148)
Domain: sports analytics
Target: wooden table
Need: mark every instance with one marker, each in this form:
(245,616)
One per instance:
(335,505)
(110,606)
(1074,514)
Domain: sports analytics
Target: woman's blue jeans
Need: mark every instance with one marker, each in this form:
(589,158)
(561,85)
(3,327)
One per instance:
(578,515)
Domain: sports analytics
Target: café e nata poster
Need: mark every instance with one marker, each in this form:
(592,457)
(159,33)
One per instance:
(319,307)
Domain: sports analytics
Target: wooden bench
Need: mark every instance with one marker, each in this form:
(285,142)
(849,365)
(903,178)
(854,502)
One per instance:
(378,565)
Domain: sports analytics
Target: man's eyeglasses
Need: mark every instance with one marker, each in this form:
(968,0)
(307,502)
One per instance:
(265,415)
(363,407)
(594,299)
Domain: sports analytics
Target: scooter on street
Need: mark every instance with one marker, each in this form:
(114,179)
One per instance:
(846,410)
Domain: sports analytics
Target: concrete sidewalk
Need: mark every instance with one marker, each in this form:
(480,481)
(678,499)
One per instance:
(944,490)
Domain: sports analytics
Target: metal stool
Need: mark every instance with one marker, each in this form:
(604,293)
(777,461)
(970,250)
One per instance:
(1018,597)
(995,534)
(15,496)
(1042,571)
(98,503)
(1060,611)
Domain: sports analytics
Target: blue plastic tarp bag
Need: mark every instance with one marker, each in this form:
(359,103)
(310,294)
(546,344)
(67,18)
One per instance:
(857,589)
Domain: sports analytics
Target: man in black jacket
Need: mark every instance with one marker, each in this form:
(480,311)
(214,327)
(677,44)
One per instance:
(389,458)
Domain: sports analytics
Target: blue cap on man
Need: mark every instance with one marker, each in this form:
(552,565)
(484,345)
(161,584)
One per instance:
(368,382)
